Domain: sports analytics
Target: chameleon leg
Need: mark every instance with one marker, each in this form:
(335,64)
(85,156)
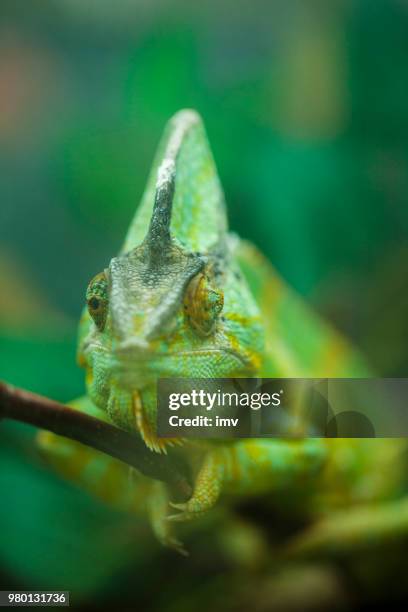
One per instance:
(207,488)
(157,507)
(252,466)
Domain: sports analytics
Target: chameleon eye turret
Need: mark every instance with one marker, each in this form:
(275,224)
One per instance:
(203,303)
(97,300)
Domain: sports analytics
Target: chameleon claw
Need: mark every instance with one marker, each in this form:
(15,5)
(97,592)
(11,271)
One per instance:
(178,546)
(181,516)
(177,518)
(176,441)
(179,506)
(155,445)
(185,514)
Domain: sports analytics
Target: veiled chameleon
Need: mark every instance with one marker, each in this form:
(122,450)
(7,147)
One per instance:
(186,298)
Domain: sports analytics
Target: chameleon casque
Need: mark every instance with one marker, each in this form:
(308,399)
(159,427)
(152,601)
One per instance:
(186,298)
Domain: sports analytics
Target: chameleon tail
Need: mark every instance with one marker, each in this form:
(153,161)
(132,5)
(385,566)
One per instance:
(101,475)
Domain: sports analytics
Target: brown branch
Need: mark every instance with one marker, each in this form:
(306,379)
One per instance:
(27,407)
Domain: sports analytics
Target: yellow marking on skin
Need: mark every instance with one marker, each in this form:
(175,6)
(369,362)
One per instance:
(72,459)
(254,453)
(333,357)
(89,377)
(237,318)
(233,342)
(232,464)
(254,359)
(150,438)
(272,294)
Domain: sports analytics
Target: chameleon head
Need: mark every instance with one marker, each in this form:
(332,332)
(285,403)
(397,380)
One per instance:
(163,309)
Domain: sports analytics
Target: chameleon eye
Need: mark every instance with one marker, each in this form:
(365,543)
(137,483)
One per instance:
(97,299)
(202,304)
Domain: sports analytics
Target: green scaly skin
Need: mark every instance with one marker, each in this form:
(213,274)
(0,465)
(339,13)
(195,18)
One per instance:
(185,298)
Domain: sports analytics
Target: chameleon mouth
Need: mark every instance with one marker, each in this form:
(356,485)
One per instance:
(137,371)
(135,364)
(132,357)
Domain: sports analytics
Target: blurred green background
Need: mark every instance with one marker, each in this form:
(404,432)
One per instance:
(306,108)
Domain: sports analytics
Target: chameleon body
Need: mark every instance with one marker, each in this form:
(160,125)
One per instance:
(186,298)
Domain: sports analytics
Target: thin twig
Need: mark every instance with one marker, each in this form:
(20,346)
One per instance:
(37,410)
